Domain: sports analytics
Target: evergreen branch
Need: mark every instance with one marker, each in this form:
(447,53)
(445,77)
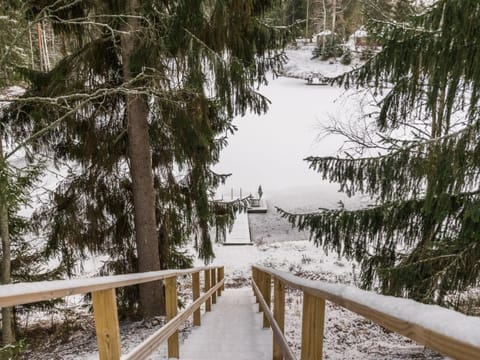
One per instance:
(404,172)
(205,46)
(390,230)
(86,21)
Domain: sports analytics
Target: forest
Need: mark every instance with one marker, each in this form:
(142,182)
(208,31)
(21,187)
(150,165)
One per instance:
(130,104)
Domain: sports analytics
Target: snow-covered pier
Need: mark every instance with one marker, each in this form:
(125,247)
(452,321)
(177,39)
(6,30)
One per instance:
(240,234)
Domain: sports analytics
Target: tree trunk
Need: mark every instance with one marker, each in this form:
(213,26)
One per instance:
(31,45)
(45,47)
(151,300)
(324,27)
(40,46)
(8,335)
(334,18)
(307,20)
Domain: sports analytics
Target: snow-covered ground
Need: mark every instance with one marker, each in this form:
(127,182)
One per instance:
(347,336)
(301,64)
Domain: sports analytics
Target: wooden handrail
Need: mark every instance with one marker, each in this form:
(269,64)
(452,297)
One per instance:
(105,309)
(24,293)
(277,331)
(428,327)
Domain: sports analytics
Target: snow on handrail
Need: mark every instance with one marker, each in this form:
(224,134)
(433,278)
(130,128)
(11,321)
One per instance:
(447,331)
(24,293)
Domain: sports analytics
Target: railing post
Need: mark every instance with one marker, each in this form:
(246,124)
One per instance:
(208,304)
(267,293)
(312,327)
(255,278)
(219,278)
(278,314)
(213,273)
(172,308)
(260,287)
(106,324)
(222,276)
(196,294)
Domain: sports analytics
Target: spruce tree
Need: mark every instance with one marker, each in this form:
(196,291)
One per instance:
(178,72)
(420,239)
(13,181)
(20,260)
(14,43)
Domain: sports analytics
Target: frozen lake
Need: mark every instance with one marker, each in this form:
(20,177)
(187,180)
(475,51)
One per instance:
(269,149)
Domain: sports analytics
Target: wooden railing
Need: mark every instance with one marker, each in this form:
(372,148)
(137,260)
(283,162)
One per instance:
(105,306)
(446,331)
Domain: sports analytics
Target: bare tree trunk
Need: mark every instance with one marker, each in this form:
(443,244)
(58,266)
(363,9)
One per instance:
(324,37)
(40,46)
(306,20)
(334,17)
(45,47)
(31,44)
(8,335)
(151,299)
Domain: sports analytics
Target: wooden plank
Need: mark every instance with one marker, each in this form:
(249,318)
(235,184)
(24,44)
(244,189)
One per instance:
(222,271)
(213,281)
(313,319)
(454,347)
(196,294)
(24,293)
(230,332)
(267,294)
(277,332)
(106,324)
(279,315)
(256,280)
(172,310)
(146,348)
(260,286)
(208,304)
(221,276)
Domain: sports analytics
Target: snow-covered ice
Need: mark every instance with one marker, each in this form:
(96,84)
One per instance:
(268,150)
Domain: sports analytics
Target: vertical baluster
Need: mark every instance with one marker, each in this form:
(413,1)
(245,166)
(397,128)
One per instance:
(312,327)
(222,276)
(279,314)
(172,309)
(219,278)
(208,304)
(267,294)
(260,286)
(106,324)
(196,294)
(213,274)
